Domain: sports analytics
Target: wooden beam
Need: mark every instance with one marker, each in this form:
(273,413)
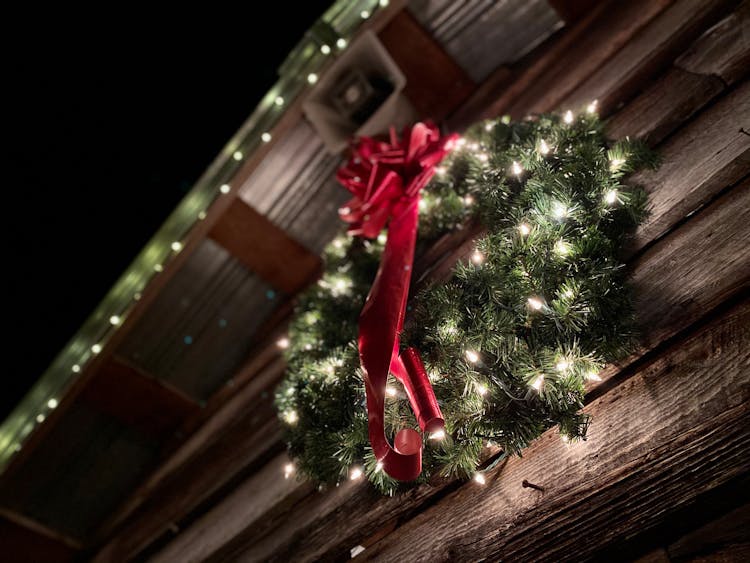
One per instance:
(265,248)
(24,540)
(572,10)
(139,400)
(435,84)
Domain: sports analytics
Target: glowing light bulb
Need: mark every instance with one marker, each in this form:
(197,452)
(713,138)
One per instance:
(611,196)
(517,168)
(591,108)
(565,438)
(483,157)
(279,101)
(201,215)
(481,389)
(225,188)
(237,155)
(283,343)
(312,78)
(524,229)
(176,246)
(535,303)
(538,382)
(291,417)
(543,147)
(468,200)
(364,14)
(474,147)
(355,473)
(562,248)
(40,418)
(593,376)
(391,391)
(477,257)
(479,478)
(52,403)
(460,142)
(379,467)
(615,163)
(325,49)
(562,365)
(505,120)
(439,435)
(559,210)
(96,348)
(383,3)
(422,205)
(568,117)
(288,470)
(489,127)
(341,43)
(265,137)
(440,170)
(76,368)
(472,356)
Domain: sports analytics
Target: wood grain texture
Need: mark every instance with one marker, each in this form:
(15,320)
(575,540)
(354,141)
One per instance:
(265,249)
(650,51)
(676,429)
(435,84)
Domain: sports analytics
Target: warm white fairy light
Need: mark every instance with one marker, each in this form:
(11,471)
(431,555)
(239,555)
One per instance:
(591,108)
(473,146)
(114,320)
(266,137)
(483,157)
(364,14)
(76,368)
(565,438)
(325,49)
(559,210)
(225,188)
(438,435)
(543,147)
(479,478)
(481,389)
(379,467)
(593,376)
(288,470)
(516,168)
(611,196)
(505,119)
(535,303)
(237,155)
(568,293)
(562,248)
(291,417)
(383,3)
(176,246)
(279,100)
(489,127)
(312,78)
(40,418)
(538,382)
(472,356)
(562,365)
(568,117)
(477,257)
(615,163)
(468,200)
(441,170)
(341,43)
(355,473)
(283,342)
(391,391)
(96,348)
(422,205)
(52,404)
(524,229)
(201,215)
(460,142)
(382,238)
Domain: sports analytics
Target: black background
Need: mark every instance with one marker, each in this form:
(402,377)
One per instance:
(110,119)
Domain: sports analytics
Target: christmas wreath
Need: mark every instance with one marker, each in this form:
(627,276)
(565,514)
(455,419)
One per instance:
(510,339)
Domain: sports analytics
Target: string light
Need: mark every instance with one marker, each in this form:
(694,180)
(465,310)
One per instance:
(489,127)
(559,210)
(565,438)
(382,238)
(391,391)
(440,170)
(341,43)
(291,417)
(40,418)
(383,3)
(325,49)
(265,137)
(562,248)
(562,365)
(237,155)
(379,467)
(312,78)
(591,108)
(473,147)
(364,14)
(468,200)
(422,205)
(355,473)
(481,389)
(477,257)
(517,168)
(201,215)
(593,376)
(114,320)
(279,101)
(483,157)
(439,435)
(543,147)
(472,356)
(158,268)
(615,163)
(288,470)
(535,303)
(96,348)
(524,229)
(538,382)
(176,246)
(283,343)
(52,404)
(568,117)
(460,142)
(225,188)
(611,196)
(479,478)
(76,368)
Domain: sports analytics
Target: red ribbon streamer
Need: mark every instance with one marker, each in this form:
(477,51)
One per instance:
(386,179)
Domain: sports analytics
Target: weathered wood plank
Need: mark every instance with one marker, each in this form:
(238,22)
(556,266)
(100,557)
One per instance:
(728,535)
(24,540)
(724,50)
(265,249)
(675,430)
(647,53)
(435,84)
(708,155)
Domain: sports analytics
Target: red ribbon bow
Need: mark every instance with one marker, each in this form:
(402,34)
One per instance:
(385,179)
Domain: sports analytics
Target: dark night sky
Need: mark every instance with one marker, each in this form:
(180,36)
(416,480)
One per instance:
(108,126)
